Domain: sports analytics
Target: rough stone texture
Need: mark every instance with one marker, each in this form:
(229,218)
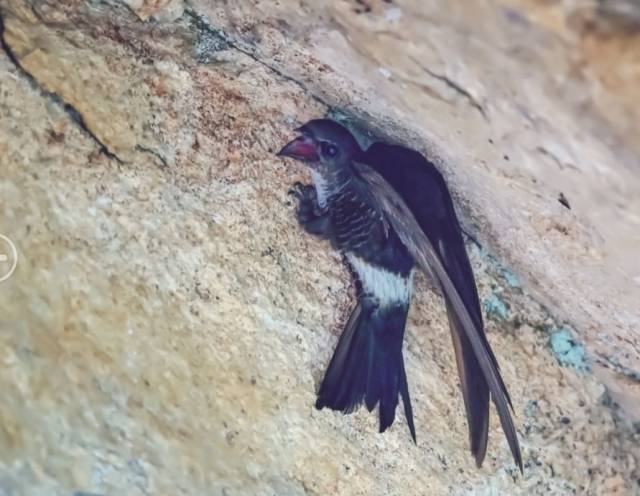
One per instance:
(168,322)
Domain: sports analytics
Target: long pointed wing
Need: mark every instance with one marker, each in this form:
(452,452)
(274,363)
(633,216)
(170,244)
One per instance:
(403,221)
(425,192)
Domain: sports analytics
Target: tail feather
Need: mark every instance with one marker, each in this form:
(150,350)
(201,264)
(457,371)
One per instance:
(347,393)
(388,399)
(406,401)
(367,365)
(374,384)
(342,355)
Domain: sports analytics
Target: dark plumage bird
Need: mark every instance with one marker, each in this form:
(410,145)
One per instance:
(388,209)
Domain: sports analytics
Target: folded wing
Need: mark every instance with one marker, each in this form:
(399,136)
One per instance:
(477,365)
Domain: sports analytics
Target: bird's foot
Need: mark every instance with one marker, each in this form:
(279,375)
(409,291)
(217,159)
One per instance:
(308,207)
(311,217)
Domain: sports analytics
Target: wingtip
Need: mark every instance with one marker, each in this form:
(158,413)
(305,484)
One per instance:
(412,430)
(514,445)
(479,443)
(508,396)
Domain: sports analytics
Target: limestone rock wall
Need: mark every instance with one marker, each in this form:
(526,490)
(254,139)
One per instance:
(168,323)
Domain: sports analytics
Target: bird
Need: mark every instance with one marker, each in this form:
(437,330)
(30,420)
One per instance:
(388,210)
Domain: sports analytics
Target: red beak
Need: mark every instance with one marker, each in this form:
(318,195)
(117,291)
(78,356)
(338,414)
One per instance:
(301,148)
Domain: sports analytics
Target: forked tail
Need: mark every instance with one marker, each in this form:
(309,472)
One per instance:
(368,366)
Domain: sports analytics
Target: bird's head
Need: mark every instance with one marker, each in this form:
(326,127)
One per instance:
(322,145)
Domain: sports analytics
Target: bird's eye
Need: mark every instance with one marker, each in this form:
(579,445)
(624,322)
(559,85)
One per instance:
(329,149)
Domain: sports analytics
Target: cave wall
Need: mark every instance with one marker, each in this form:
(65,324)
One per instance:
(168,322)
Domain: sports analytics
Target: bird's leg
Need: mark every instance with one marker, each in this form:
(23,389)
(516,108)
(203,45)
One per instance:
(311,216)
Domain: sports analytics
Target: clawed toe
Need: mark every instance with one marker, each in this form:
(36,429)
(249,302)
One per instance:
(298,190)
(310,216)
(295,193)
(303,192)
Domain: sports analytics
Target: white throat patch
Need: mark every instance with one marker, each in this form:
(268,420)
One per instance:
(322,188)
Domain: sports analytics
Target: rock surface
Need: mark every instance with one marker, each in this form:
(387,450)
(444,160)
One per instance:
(168,322)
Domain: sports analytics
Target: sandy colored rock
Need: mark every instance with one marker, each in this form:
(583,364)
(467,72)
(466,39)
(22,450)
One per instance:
(159,10)
(168,323)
